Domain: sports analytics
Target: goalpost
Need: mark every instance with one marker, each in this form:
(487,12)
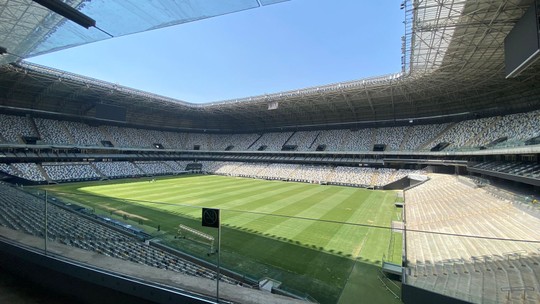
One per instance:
(196,235)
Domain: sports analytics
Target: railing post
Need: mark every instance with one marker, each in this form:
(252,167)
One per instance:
(45,226)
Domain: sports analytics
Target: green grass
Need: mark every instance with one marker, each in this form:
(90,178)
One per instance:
(313,238)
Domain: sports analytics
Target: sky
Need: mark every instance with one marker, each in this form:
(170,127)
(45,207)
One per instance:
(285,46)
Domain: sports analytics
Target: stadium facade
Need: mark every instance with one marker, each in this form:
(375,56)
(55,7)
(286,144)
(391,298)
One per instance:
(450,109)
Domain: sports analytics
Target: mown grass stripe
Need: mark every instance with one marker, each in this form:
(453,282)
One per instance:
(239,197)
(301,199)
(327,232)
(203,197)
(146,189)
(308,255)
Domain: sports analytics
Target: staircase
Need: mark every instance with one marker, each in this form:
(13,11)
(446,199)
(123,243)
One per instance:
(430,144)
(373,139)
(103,176)
(34,126)
(68,133)
(139,168)
(287,141)
(331,174)
(374,178)
(345,138)
(314,140)
(405,138)
(44,173)
(481,133)
(108,136)
(256,140)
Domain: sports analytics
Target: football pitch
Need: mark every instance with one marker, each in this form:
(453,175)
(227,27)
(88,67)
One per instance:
(318,240)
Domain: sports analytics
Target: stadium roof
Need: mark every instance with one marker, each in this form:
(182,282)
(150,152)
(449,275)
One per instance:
(453,63)
(29,29)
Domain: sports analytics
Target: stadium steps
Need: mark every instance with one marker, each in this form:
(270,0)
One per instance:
(34,126)
(209,142)
(534,265)
(451,284)
(331,174)
(475,286)
(491,270)
(488,289)
(183,141)
(289,138)
(103,176)
(392,177)
(69,134)
(457,285)
(139,168)
(314,140)
(107,135)
(424,276)
(515,278)
(344,139)
(173,170)
(530,280)
(44,173)
(502,280)
(481,133)
(405,138)
(255,141)
(374,178)
(464,284)
(374,138)
(430,143)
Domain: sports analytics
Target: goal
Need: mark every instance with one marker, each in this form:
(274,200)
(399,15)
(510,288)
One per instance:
(196,235)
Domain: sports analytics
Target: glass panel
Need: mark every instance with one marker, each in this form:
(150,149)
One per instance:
(306,241)
(67,35)
(35,30)
(127,17)
(268,2)
(464,238)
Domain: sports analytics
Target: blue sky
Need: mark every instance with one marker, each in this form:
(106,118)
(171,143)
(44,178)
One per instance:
(286,46)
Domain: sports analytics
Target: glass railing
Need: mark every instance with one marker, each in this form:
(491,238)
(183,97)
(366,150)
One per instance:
(328,251)
(290,241)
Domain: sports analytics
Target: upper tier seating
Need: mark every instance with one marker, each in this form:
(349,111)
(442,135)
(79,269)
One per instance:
(469,134)
(84,134)
(14,127)
(53,131)
(517,128)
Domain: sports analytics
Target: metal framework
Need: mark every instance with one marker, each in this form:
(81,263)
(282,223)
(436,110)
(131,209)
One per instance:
(29,29)
(453,63)
(23,25)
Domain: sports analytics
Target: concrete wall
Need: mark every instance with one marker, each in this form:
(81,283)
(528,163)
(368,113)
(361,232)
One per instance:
(415,295)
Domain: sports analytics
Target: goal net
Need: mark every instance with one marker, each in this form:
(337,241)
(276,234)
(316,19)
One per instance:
(196,235)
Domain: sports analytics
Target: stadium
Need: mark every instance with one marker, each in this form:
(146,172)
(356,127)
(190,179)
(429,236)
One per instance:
(415,187)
